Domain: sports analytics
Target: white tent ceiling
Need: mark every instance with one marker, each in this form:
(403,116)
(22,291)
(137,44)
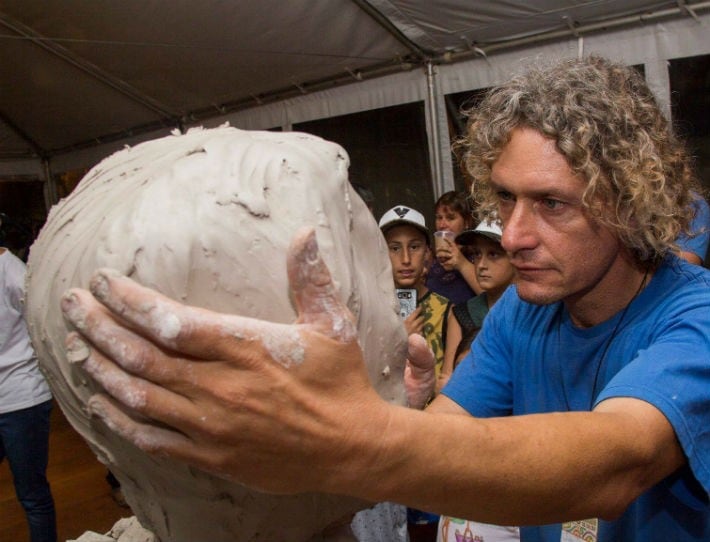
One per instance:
(79,73)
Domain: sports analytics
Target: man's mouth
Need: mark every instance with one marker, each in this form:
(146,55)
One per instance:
(529,271)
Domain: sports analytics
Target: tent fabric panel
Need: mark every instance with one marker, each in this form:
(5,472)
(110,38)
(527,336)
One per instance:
(396,89)
(453,24)
(640,45)
(178,62)
(181,56)
(53,101)
(664,39)
(11,142)
(199,60)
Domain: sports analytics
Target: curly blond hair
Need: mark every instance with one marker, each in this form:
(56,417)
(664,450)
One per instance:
(608,126)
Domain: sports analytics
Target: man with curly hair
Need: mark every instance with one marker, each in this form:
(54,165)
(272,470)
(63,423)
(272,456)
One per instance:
(582,411)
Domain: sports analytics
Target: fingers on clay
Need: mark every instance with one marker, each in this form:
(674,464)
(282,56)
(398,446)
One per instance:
(154,439)
(127,349)
(137,394)
(152,312)
(199,333)
(316,299)
(146,436)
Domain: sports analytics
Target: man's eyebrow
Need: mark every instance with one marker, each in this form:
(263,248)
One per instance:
(554,192)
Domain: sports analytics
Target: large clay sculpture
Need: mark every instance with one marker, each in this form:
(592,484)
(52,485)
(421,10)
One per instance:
(205,218)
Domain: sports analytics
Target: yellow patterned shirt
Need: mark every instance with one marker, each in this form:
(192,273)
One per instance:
(435,309)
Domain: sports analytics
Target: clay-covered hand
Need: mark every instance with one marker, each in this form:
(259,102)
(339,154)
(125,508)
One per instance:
(273,406)
(414,323)
(419,373)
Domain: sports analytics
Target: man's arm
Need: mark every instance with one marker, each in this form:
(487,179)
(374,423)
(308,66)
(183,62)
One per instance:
(535,469)
(289,408)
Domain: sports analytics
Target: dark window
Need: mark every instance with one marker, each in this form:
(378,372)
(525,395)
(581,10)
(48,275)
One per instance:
(690,107)
(388,153)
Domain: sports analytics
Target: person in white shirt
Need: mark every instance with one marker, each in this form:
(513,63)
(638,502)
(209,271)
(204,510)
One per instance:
(25,406)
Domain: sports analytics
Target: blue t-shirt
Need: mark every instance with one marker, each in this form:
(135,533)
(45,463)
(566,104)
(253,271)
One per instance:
(532,359)
(698,243)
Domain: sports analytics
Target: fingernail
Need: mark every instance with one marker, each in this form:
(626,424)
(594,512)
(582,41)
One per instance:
(73,310)
(95,407)
(99,284)
(77,350)
(311,249)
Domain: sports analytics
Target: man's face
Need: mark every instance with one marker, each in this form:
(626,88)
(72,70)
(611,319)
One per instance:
(408,253)
(558,250)
(493,268)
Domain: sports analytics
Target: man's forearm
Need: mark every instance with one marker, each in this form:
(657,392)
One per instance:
(532,469)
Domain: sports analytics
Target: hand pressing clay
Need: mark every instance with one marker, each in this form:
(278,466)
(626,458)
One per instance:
(206,218)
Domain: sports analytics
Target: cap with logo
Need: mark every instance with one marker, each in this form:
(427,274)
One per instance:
(402,215)
(487,228)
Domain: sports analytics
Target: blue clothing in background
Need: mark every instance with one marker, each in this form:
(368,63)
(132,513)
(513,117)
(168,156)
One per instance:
(700,240)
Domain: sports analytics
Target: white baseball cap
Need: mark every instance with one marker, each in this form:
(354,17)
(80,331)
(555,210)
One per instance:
(486,228)
(402,215)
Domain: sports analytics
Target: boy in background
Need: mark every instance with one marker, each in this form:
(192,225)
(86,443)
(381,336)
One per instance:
(495,273)
(408,241)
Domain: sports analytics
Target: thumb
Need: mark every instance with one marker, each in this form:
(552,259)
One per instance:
(316,299)
(419,355)
(419,373)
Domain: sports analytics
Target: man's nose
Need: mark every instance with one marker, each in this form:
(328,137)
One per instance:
(518,227)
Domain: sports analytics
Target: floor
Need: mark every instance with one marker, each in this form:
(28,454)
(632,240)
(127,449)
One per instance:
(81,494)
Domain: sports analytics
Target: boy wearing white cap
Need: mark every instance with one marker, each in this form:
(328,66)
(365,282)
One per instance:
(495,273)
(408,241)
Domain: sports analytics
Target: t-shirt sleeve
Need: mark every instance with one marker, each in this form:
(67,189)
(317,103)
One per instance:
(14,281)
(673,374)
(482,382)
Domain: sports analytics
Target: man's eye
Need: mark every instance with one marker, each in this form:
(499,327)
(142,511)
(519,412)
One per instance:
(552,204)
(504,196)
